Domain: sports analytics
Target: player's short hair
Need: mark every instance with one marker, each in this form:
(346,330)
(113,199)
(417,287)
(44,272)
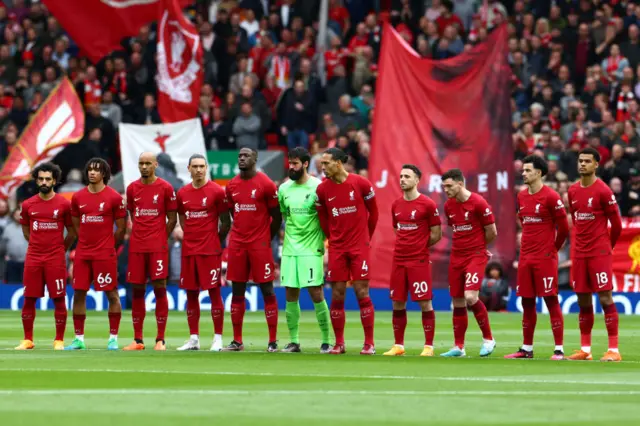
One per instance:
(538,162)
(197,156)
(300,153)
(590,151)
(97,163)
(455,174)
(413,168)
(337,155)
(50,167)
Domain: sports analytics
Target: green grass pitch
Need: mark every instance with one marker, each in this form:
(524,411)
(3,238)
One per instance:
(97,387)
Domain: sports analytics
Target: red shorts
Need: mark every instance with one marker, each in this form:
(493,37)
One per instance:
(466,274)
(414,278)
(54,276)
(200,272)
(348,265)
(103,274)
(256,265)
(147,265)
(592,274)
(537,277)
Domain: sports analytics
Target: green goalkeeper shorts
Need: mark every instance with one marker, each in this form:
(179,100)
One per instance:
(302,271)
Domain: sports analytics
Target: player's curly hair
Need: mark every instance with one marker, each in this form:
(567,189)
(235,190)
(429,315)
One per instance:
(591,151)
(100,165)
(49,167)
(538,163)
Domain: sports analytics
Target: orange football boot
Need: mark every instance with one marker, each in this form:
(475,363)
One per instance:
(134,346)
(580,356)
(611,356)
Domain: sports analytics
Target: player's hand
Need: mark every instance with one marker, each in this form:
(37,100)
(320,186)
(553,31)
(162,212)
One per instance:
(283,130)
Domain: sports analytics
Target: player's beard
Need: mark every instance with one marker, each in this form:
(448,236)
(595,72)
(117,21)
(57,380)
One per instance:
(295,175)
(44,189)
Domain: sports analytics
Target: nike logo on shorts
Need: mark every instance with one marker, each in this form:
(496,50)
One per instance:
(332,198)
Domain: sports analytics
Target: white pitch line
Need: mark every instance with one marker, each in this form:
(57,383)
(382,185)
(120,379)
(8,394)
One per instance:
(62,392)
(520,379)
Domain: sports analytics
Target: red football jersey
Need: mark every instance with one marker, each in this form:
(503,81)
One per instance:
(250,201)
(467,220)
(98,213)
(201,209)
(538,214)
(334,59)
(148,206)
(413,221)
(589,209)
(344,204)
(47,220)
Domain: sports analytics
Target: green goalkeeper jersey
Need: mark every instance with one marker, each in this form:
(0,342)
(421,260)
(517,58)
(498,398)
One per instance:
(303,235)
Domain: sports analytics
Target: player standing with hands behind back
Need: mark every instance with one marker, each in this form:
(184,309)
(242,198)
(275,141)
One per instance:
(348,215)
(473,225)
(253,202)
(94,211)
(592,205)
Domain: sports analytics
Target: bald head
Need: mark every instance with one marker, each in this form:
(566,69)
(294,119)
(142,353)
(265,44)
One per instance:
(147,164)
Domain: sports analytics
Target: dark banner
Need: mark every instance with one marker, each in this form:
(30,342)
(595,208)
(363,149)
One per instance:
(440,115)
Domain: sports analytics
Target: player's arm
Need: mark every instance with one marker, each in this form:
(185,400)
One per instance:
(181,218)
(24,221)
(394,222)
(71,234)
(271,197)
(372,206)
(26,232)
(483,211)
(490,233)
(121,229)
(276,221)
(129,201)
(435,226)
(323,217)
(171,207)
(610,207)
(435,234)
(172,220)
(560,219)
(225,225)
(227,193)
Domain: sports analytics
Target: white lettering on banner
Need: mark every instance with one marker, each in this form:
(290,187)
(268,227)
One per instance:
(57,128)
(631,283)
(482,182)
(501,182)
(251,296)
(226,169)
(502,179)
(384,177)
(435,183)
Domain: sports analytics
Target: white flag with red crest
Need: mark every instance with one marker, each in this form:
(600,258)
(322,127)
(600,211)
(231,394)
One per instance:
(180,72)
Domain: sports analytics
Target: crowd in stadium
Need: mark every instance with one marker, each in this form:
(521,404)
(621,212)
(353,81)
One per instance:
(575,83)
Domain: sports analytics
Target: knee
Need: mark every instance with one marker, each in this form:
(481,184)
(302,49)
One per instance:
(238,289)
(267,289)
(79,296)
(471,298)
(338,293)
(113,297)
(316,294)
(606,298)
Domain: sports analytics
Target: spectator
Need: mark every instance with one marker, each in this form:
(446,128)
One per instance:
(148,114)
(110,110)
(13,248)
(494,291)
(246,128)
(614,64)
(298,113)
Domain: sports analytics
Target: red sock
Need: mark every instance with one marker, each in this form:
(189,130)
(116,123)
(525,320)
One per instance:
(237,316)
(611,321)
(162,311)
(78,324)
(193,311)
(529,320)
(28,316)
(217,310)
(367,317)
(482,318)
(556,318)
(585,317)
(460,323)
(337,320)
(429,327)
(399,321)
(138,310)
(271,314)
(114,322)
(60,315)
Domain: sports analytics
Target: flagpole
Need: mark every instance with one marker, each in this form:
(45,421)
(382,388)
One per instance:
(321,41)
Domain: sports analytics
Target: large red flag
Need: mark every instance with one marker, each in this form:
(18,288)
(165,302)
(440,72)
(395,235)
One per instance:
(59,122)
(98,26)
(440,115)
(180,72)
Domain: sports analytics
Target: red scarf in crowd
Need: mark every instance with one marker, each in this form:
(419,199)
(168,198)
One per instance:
(622,113)
(92,92)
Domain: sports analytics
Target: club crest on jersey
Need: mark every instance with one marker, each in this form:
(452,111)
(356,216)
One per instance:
(537,208)
(352,195)
(155,199)
(413,214)
(204,201)
(101,208)
(253,193)
(55,213)
(589,202)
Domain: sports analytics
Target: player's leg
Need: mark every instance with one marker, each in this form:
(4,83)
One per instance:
(189,283)
(398,291)
(105,274)
(33,281)
(137,273)
(473,282)
(428,325)
(527,291)
(359,268)
(421,289)
(583,287)
(601,270)
(56,277)
(82,276)
(262,267)
(460,318)
(291,282)
(159,264)
(338,275)
(238,274)
(322,313)
(546,279)
(209,268)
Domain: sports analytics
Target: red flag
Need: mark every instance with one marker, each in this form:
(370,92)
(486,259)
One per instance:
(179,60)
(441,115)
(98,26)
(59,122)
